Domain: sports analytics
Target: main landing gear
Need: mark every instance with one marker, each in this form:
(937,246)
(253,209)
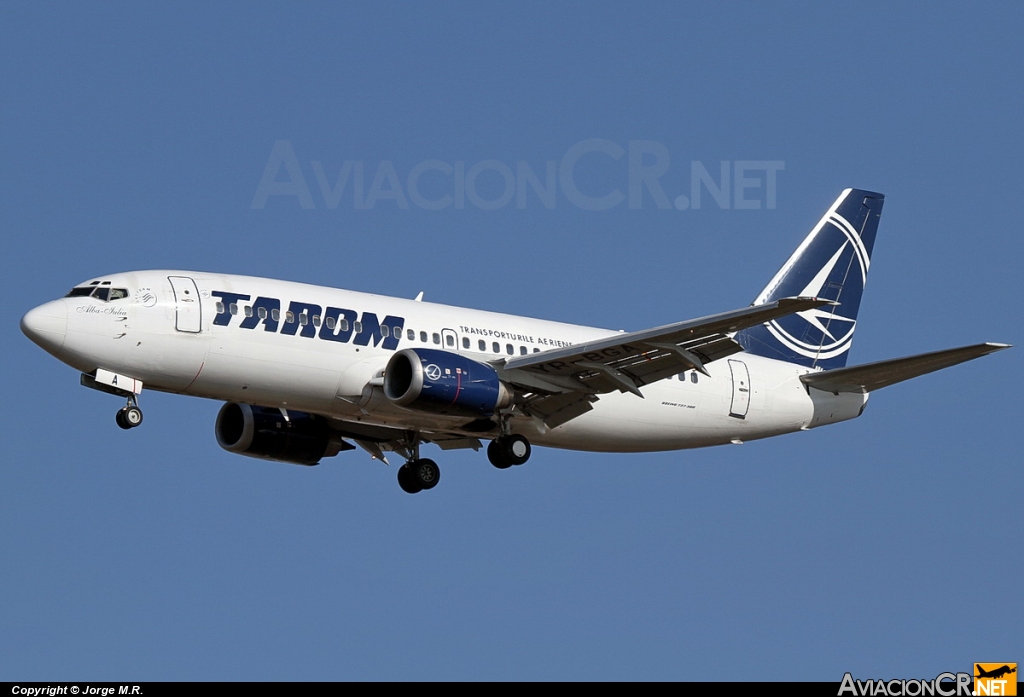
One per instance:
(419,474)
(505,451)
(129,416)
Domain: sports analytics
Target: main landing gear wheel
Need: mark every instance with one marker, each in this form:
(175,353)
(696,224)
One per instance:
(496,457)
(405,480)
(418,475)
(128,417)
(505,451)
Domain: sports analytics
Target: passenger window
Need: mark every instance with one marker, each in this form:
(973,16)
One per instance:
(423,337)
(220,308)
(316,320)
(262,313)
(275,314)
(496,347)
(343,325)
(536,350)
(385,331)
(693,377)
(436,337)
(303,319)
(248,310)
(482,345)
(682,377)
(465,342)
(449,340)
(522,350)
(289,317)
(330,323)
(357,327)
(410,334)
(509,350)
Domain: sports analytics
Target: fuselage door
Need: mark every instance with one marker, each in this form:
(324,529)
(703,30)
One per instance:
(740,389)
(188,309)
(449,340)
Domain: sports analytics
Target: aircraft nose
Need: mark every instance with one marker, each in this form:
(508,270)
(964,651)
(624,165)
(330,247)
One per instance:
(47,325)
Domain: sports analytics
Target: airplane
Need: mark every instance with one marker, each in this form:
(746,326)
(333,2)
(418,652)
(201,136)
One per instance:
(995,673)
(307,372)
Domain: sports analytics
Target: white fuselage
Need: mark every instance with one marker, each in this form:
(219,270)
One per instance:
(175,332)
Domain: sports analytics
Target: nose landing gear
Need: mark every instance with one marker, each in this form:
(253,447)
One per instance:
(129,416)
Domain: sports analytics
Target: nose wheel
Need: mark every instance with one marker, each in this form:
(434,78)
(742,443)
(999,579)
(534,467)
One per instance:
(130,415)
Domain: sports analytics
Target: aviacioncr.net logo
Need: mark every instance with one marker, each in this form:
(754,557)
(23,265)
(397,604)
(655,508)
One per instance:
(995,679)
(944,685)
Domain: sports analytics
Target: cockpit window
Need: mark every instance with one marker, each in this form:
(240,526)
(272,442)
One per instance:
(104,293)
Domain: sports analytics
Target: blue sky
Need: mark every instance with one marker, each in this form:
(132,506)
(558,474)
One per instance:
(136,137)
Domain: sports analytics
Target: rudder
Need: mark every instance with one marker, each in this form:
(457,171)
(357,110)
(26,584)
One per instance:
(832,263)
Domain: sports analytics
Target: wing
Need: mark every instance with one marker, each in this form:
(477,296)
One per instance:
(875,376)
(561,384)
(379,440)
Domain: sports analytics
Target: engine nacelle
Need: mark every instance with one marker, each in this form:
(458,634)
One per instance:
(441,382)
(264,432)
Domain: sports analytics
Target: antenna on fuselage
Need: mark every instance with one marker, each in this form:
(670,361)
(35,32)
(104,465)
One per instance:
(419,297)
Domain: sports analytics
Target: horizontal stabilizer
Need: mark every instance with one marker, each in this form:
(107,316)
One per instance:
(875,376)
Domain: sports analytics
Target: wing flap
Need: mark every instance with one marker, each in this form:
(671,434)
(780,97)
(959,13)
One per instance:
(555,410)
(874,376)
(625,362)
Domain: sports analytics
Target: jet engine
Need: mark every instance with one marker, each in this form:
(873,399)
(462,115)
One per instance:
(441,382)
(272,434)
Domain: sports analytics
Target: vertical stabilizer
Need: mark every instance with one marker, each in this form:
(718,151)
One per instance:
(832,262)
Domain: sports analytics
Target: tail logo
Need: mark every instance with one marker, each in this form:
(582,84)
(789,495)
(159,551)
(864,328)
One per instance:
(826,320)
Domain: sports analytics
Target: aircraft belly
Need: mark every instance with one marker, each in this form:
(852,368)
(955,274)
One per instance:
(681,414)
(255,373)
(376,409)
(171,363)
